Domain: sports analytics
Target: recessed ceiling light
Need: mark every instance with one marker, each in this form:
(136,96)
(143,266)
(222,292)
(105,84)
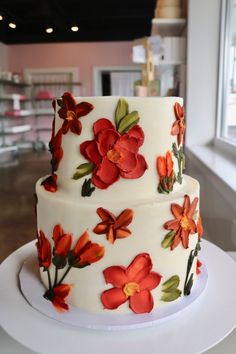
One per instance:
(74,28)
(12,25)
(49,29)
(1,17)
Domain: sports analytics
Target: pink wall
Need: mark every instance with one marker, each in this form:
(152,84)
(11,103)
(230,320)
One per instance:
(82,55)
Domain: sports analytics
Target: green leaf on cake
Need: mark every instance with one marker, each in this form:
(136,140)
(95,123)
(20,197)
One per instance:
(171,296)
(188,286)
(179,155)
(168,239)
(87,189)
(83,170)
(170,289)
(189,279)
(128,122)
(171,284)
(122,110)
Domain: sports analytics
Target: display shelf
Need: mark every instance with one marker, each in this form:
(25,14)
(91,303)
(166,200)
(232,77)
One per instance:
(14,83)
(168,27)
(57,83)
(17,129)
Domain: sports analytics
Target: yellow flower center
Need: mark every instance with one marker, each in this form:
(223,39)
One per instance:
(114,155)
(70,115)
(131,288)
(185,223)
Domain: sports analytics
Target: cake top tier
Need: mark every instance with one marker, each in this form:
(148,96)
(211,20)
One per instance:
(113,148)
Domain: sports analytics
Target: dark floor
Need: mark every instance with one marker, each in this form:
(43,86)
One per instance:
(17,183)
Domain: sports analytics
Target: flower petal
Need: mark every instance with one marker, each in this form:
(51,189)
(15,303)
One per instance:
(161,166)
(128,143)
(192,226)
(113,298)
(179,110)
(124,219)
(172,225)
(115,275)
(63,245)
(199,226)
(92,254)
(175,130)
(151,281)
(82,241)
(57,233)
(137,133)
(138,171)
(101,228)
(75,126)
(83,108)
(62,290)
(60,304)
(69,101)
(176,241)
(186,205)
(185,237)
(90,151)
(169,163)
(192,208)
(141,302)
(110,235)
(65,127)
(96,181)
(122,233)
(128,161)
(177,210)
(107,172)
(102,124)
(105,214)
(50,183)
(106,140)
(62,112)
(139,268)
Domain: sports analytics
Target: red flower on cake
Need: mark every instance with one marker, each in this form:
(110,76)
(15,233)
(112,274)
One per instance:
(57,296)
(114,155)
(50,183)
(178,128)
(62,241)
(44,250)
(133,284)
(183,225)
(114,227)
(199,227)
(85,252)
(70,112)
(198,266)
(166,173)
(55,147)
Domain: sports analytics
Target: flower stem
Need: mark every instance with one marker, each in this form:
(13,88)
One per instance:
(49,280)
(55,279)
(65,274)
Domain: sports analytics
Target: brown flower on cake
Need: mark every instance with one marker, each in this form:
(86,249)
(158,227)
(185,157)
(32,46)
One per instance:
(182,226)
(178,128)
(85,252)
(70,112)
(166,173)
(114,155)
(50,183)
(44,250)
(132,284)
(57,296)
(62,241)
(114,227)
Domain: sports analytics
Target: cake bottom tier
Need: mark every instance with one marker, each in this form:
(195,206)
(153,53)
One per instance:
(142,255)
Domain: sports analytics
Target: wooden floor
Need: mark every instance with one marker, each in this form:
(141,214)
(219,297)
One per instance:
(17,183)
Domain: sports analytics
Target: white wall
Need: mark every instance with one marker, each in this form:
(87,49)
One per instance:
(202,70)
(3,57)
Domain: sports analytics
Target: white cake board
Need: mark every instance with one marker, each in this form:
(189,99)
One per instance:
(198,328)
(33,290)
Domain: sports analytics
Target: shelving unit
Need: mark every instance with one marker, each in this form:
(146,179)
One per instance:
(15,107)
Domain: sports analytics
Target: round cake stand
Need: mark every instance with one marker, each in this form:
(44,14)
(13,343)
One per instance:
(201,326)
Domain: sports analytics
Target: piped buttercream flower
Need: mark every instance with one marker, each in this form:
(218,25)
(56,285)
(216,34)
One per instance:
(50,183)
(183,225)
(114,155)
(166,173)
(44,250)
(132,284)
(62,241)
(70,112)
(114,227)
(178,128)
(57,296)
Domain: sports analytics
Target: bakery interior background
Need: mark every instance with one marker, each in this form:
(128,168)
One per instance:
(143,48)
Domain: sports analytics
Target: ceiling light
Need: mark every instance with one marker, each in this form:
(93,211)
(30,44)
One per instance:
(49,29)
(1,18)
(12,25)
(74,28)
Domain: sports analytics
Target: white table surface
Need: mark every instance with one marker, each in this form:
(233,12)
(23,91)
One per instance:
(9,346)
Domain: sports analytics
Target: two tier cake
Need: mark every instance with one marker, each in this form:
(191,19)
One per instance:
(118,223)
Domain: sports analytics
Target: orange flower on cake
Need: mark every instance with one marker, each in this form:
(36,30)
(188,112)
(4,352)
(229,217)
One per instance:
(114,227)
(57,296)
(182,226)
(85,252)
(178,128)
(166,173)
(113,154)
(50,183)
(44,250)
(62,242)
(70,112)
(198,266)
(199,227)
(132,284)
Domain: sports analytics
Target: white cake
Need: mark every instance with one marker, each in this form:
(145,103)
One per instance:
(118,223)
